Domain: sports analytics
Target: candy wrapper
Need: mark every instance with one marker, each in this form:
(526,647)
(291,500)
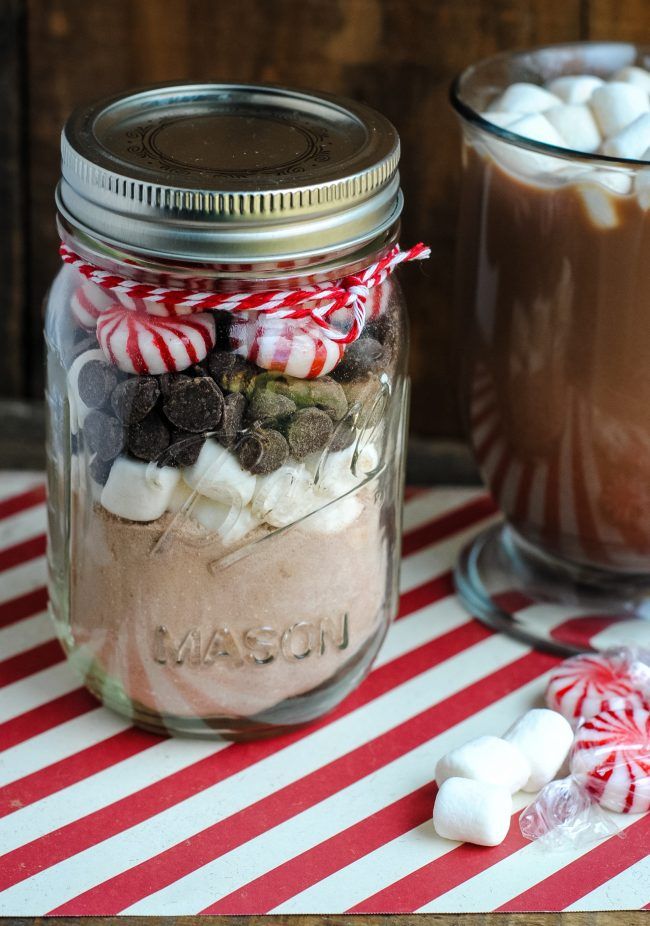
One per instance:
(607,697)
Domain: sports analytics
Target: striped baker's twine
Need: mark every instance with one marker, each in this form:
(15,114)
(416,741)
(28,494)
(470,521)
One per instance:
(318,302)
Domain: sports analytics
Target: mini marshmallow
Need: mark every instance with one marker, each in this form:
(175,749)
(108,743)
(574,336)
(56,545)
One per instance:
(639,77)
(472,811)
(139,491)
(181,494)
(599,204)
(218,475)
(545,738)
(336,516)
(488,759)
(576,125)
(616,105)
(501,119)
(535,127)
(228,521)
(642,183)
(285,496)
(525,98)
(575,89)
(632,141)
(341,471)
(78,408)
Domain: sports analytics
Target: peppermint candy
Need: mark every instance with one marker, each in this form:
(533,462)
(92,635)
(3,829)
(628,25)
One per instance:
(137,342)
(584,685)
(87,304)
(298,349)
(610,759)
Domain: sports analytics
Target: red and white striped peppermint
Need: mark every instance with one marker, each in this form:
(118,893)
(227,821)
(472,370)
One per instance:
(584,685)
(610,758)
(298,349)
(137,342)
(88,302)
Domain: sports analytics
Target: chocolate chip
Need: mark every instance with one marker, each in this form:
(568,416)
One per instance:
(234,408)
(360,357)
(183,450)
(223,322)
(343,437)
(263,451)
(96,382)
(165,381)
(134,398)
(99,469)
(267,406)
(83,342)
(308,431)
(194,404)
(149,438)
(232,372)
(103,434)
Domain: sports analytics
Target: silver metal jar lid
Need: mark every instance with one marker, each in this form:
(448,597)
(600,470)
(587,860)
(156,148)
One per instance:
(229,172)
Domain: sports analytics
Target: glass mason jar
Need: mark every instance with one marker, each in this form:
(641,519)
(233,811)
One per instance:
(225,487)
(554,291)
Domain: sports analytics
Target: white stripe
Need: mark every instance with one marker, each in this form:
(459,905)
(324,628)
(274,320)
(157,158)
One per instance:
(22,579)
(25,634)
(435,560)
(629,890)
(421,626)
(512,876)
(22,526)
(324,820)
(35,690)
(15,483)
(428,505)
(55,885)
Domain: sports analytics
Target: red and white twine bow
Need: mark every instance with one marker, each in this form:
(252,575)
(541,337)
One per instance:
(318,302)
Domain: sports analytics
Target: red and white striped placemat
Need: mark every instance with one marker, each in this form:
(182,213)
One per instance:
(97,817)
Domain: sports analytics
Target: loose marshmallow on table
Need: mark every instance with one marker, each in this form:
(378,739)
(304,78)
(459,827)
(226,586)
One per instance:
(525,98)
(545,738)
(218,475)
(575,89)
(139,491)
(576,125)
(617,104)
(487,759)
(472,811)
(78,408)
(639,77)
(630,142)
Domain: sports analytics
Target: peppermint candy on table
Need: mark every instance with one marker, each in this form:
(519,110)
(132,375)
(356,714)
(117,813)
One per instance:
(584,685)
(88,302)
(610,759)
(297,348)
(140,343)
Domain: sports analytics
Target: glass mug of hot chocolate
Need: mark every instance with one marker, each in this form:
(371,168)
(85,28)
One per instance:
(227,398)
(554,288)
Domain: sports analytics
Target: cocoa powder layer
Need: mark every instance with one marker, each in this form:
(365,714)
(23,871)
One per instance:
(188,633)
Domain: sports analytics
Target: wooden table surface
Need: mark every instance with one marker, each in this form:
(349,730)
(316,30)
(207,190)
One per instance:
(430,463)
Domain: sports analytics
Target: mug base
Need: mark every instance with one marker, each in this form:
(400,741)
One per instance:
(550,603)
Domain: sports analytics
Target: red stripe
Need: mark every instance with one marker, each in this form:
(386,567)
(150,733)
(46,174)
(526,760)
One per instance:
(80,834)
(75,768)
(587,873)
(441,875)
(451,523)
(27,499)
(39,719)
(31,660)
(22,552)
(152,875)
(304,870)
(16,609)
(425,594)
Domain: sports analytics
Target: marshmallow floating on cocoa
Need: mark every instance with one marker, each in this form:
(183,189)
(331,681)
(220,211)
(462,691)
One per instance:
(576,88)
(632,141)
(576,125)
(472,811)
(487,759)
(139,491)
(544,737)
(525,98)
(617,104)
(639,77)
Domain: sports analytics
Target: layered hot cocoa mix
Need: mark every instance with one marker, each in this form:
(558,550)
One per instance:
(554,275)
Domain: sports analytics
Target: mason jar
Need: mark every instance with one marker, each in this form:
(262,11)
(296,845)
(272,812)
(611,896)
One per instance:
(227,395)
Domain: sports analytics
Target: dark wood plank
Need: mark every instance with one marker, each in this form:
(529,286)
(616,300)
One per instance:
(429,919)
(398,55)
(13,296)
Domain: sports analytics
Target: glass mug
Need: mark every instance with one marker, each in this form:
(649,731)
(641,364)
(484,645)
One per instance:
(225,488)
(555,297)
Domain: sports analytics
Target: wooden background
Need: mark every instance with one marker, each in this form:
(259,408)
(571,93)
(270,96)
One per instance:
(397,55)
